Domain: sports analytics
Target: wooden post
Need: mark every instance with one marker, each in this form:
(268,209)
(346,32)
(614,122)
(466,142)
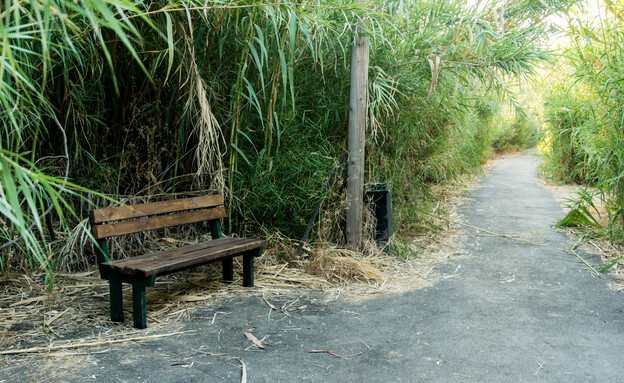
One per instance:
(358,105)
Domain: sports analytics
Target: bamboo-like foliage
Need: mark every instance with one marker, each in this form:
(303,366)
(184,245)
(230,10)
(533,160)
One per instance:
(146,87)
(250,99)
(454,65)
(35,37)
(585,110)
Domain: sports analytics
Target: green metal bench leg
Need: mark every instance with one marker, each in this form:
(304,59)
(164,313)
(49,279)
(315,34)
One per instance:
(116,300)
(248,270)
(248,267)
(228,270)
(138,304)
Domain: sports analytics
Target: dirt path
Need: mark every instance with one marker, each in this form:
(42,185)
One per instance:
(510,310)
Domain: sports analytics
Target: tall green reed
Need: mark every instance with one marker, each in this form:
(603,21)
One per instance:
(245,99)
(585,111)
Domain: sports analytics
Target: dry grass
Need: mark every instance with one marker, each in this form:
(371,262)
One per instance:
(77,305)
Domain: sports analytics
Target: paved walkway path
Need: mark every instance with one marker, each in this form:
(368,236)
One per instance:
(514,312)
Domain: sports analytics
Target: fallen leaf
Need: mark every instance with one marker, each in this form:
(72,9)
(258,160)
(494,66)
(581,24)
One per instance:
(253,339)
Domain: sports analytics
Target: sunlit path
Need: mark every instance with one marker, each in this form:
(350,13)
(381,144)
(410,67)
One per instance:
(508,311)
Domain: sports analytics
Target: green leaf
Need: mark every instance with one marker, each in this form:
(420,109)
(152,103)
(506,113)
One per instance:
(257,60)
(252,97)
(609,265)
(9,187)
(248,139)
(578,217)
(284,70)
(241,153)
(171,48)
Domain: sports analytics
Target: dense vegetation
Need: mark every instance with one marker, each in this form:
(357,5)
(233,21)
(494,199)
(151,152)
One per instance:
(110,100)
(584,112)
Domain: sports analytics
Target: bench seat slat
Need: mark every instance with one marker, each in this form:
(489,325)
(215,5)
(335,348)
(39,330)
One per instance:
(151,208)
(142,259)
(177,259)
(158,222)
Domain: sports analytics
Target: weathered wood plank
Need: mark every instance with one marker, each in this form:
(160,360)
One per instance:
(198,257)
(135,226)
(173,252)
(178,259)
(151,208)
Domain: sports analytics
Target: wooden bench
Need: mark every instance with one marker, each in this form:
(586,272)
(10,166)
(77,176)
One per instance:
(142,271)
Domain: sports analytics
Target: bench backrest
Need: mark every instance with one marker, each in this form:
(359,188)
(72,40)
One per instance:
(130,219)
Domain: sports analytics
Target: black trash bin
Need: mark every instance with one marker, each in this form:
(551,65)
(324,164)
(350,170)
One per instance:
(380,196)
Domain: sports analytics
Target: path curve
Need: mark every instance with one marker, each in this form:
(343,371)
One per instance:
(511,312)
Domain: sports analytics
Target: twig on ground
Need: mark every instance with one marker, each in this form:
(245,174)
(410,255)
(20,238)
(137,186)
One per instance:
(27,301)
(44,349)
(599,249)
(332,353)
(268,303)
(70,354)
(214,317)
(286,306)
(244,377)
(280,270)
(211,353)
(585,262)
(57,316)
